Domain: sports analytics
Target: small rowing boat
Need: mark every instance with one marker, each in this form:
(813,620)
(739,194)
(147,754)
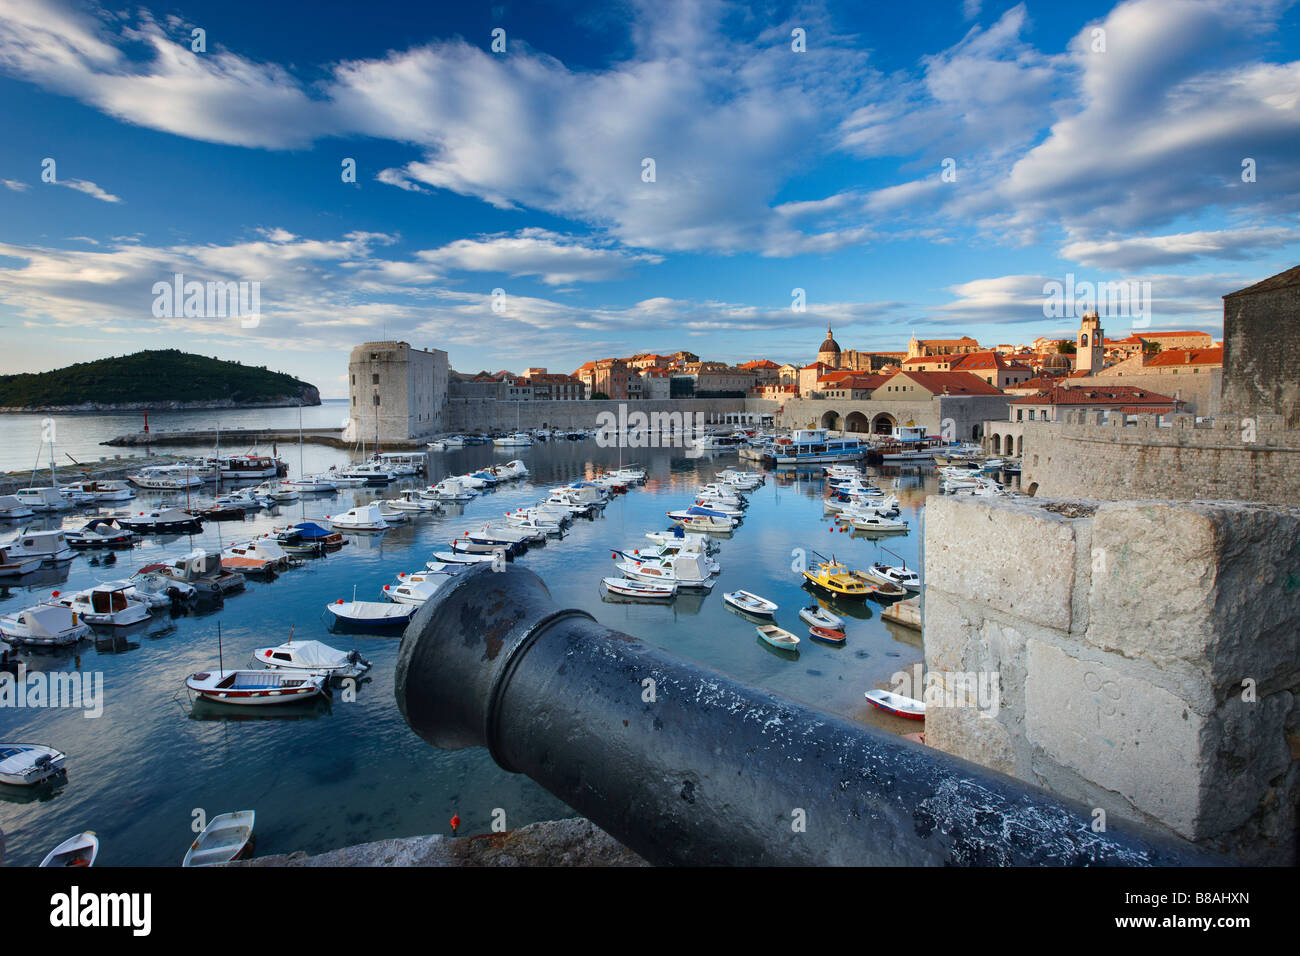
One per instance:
(896,704)
(226,838)
(750,603)
(253,687)
(80,850)
(778,637)
(827,635)
(642,590)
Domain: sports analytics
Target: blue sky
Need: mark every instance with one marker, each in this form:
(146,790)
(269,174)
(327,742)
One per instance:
(1104,142)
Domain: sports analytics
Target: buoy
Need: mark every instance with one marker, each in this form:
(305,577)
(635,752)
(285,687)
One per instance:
(455,822)
(54,594)
(339,601)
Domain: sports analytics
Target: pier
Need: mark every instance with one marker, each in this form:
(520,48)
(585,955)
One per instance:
(231,438)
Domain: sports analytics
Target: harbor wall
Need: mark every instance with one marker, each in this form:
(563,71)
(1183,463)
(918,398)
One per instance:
(1145,655)
(491,415)
(1239,459)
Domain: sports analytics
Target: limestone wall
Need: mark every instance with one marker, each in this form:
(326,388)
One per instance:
(1146,657)
(1228,459)
(1199,390)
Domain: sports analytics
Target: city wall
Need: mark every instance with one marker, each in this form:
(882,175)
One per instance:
(489,415)
(1145,654)
(1240,459)
(1200,391)
(966,412)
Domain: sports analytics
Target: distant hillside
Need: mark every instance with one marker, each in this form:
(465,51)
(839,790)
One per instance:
(166,378)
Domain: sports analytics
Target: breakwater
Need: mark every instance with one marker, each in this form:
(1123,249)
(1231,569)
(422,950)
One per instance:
(237,438)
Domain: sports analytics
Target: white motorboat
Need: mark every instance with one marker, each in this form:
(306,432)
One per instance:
(167,478)
(100,533)
(465,558)
(159,521)
(102,491)
(517,440)
(51,547)
(157,590)
(371,615)
(341,479)
(410,500)
(276,491)
(415,591)
(259,556)
(109,605)
(687,570)
(16,566)
(310,485)
(750,603)
(11,509)
(226,838)
(532,522)
(370,473)
(247,688)
(700,519)
(719,506)
(364,518)
(78,851)
(43,500)
(312,657)
(514,469)
(453,489)
(26,765)
(878,523)
(641,590)
(199,568)
(901,575)
(44,625)
(814,615)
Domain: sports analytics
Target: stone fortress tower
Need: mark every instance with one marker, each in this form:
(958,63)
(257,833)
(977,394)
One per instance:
(1090,343)
(397,393)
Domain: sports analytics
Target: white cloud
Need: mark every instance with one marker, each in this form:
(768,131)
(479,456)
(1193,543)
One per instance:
(89,188)
(1142,251)
(15,185)
(557,260)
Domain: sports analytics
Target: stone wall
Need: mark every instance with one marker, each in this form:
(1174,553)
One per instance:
(1146,657)
(967,413)
(487,415)
(1227,459)
(1261,340)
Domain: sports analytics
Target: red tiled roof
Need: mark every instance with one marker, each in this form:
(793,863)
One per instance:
(1164,335)
(1176,357)
(759,363)
(1129,395)
(956,383)
(986,360)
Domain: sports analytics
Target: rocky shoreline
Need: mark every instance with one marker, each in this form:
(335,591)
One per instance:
(284,401)
(572,842)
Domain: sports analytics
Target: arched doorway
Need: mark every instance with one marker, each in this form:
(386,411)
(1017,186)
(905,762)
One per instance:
(1020,445)
(995,442)
(975,432)
(883,424)
(856,422)
(830,420)
(1006,445)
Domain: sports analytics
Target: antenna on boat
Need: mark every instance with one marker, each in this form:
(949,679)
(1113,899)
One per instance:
(899,556)
(221,663)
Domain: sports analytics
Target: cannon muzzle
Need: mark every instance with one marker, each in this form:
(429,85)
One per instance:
(688,766)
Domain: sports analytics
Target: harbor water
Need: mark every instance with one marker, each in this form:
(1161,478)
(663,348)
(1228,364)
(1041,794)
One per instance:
(348,771)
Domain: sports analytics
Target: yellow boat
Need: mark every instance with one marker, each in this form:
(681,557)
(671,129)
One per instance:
(838,579)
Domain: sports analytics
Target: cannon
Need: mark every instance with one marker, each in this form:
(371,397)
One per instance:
(687,766)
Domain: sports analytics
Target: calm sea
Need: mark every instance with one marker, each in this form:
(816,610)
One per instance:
(352,772)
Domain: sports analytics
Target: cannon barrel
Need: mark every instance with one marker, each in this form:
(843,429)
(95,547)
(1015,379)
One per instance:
(688,766)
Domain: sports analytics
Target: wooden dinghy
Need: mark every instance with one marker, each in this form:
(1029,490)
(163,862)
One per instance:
(226,838)
(896,704)
(750,603)
(778,637)
(827,635)
(80,850)
(641,590)
(255,687)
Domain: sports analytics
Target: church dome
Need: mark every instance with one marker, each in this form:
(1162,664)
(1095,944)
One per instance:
(1057,361)
(829,347)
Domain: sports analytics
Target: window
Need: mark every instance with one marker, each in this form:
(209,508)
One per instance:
(377,402)
(1031,414)
(1020,414)
(374,379)
(354,378)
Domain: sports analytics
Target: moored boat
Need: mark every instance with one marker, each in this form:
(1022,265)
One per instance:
(44,625)
(641,590)
(226,838)
(312,657)
(255,687)
(814,615)
(896,704)
(371,615)
(778,637)
(750,603)
(78,851)
(26,765)
(827,635)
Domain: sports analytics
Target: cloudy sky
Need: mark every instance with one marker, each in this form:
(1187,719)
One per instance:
(911,169)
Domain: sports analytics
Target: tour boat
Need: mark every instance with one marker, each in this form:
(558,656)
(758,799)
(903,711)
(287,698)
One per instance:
(100,533)
(109,604)
(364,518)
(778,637)
(43,500)
(244,466)
(312,657)
(160,521)
(255,687)
(78,851)
(836,578)
(11,509)
(814,615)
(51,547)
(807,446)
(643,590)
(226,838)
(44,625)
(372,473)
(896,704)
(827,635)
(167,478)
(750,603)
(26,765)
(371,615)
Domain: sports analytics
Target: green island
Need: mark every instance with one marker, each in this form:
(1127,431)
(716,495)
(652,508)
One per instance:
(164,378)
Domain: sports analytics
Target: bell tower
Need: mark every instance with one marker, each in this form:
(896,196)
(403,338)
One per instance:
(1090,348)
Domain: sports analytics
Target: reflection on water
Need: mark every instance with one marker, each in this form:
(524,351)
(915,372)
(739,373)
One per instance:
(330,772)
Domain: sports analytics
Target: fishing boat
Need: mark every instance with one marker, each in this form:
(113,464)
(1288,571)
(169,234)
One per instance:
(827,635)
(78,851)
(641,590)
(896,704)
(160,521)
(814,615)
(364,518)
(371,615)
(750,603)
(880,587)
(255,687)
(878,523)
(44,625)
(778,637)
(108,605)
(226,838)
(838,579)
(50,547)
(902,575)
(26,765)
(312,657)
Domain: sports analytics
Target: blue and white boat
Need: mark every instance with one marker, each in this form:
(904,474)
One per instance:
(810,446)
